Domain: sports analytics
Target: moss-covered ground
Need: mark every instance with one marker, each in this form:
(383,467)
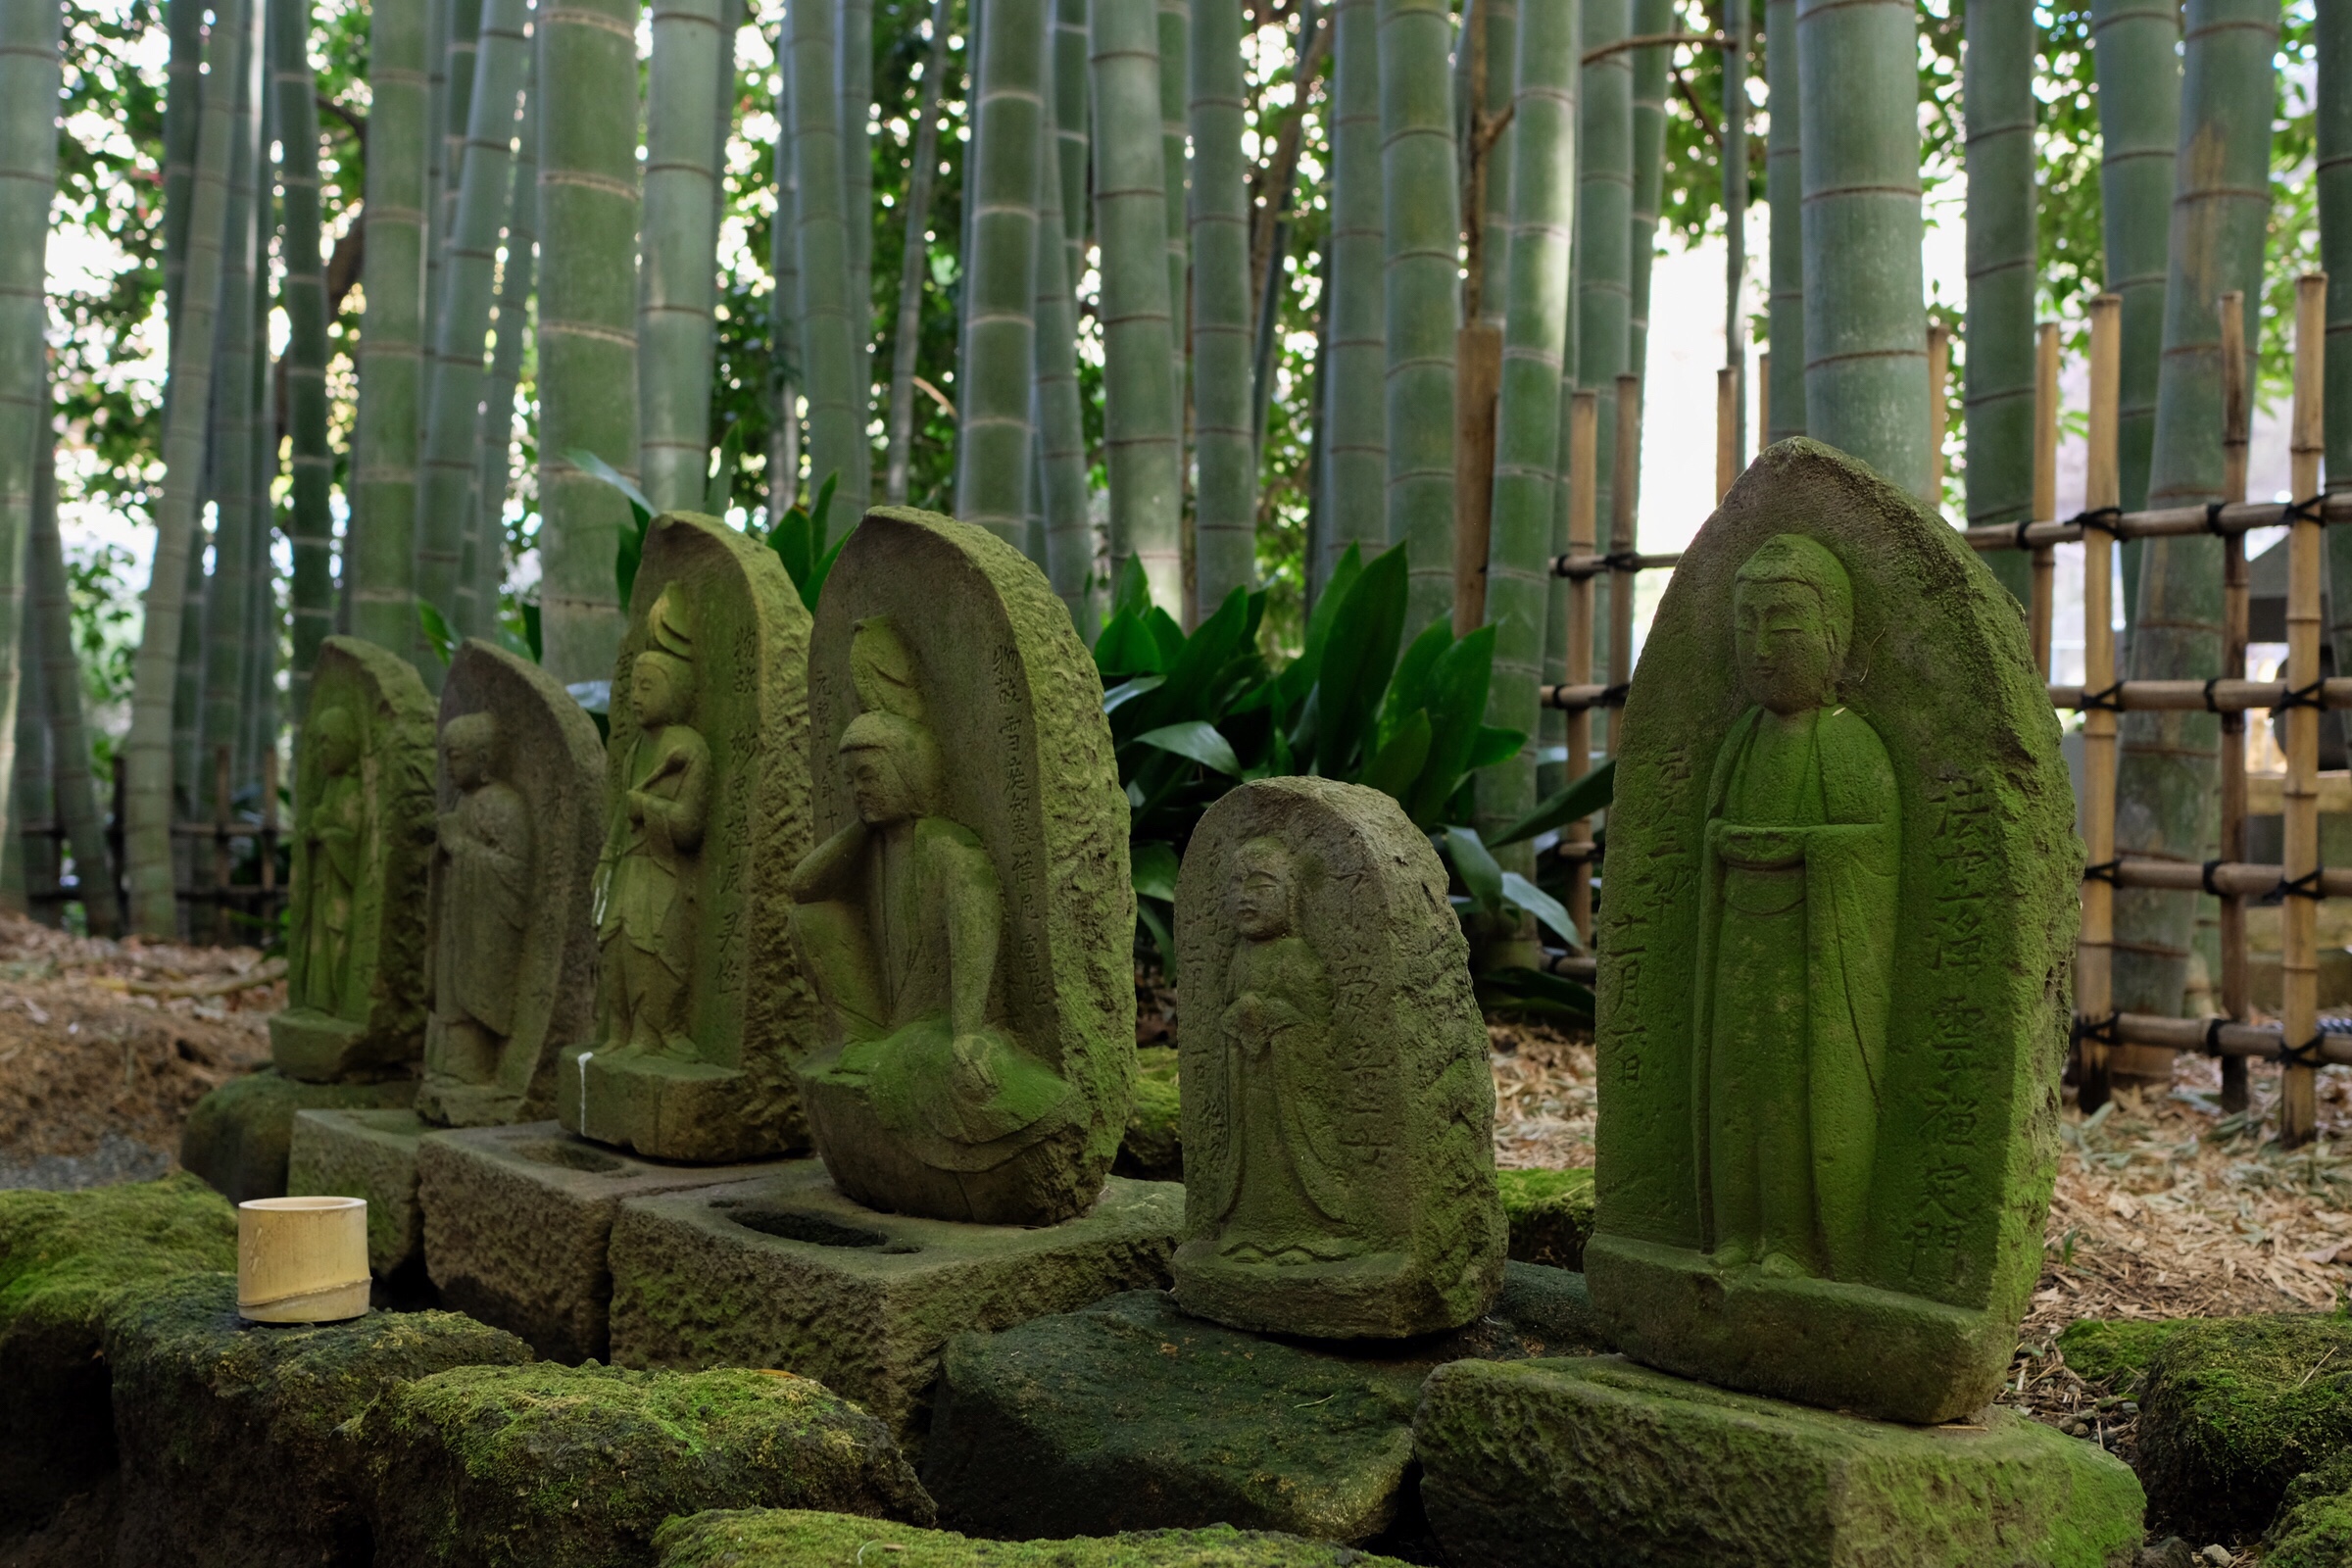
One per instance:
(2115,1351)
(1551,1214)
(1154,1148)
(782,1539)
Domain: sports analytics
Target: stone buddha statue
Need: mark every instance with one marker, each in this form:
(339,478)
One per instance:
(334,832)
(482,884)
(647,880)
(1796,935)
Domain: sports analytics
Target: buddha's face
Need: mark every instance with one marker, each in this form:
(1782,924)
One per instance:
(1258,902)
(467,750)
(338,748)
(656,690)
(878,784)
(1787,653)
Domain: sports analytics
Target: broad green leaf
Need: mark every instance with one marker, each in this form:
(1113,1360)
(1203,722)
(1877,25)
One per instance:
(1198,741)
(532,632)
(1167,632)
(822,511)
(1396,765)
(1133,594)
(1126,691)
(1457,706)
(1357,658)
(1492,746)
(814,588)
(628,553)
(437,635)
(1153,868)
(1162,937)
(1298,678)
(1408,688)
(589,463)
(1520,893)
(1580,798)
(1199,660)
(1125,648)
(789,539)
(720,493)
(1477,867)
(1534,991)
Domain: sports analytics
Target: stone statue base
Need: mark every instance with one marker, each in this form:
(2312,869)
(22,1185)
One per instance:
(516,1225)
(1012,1181)
(451,1102)
(672,1107)
(369,1155)
(1378,1296)
(319,1048)
(237,1136)
(1842,1347)
(1597,1461)
(787,1272)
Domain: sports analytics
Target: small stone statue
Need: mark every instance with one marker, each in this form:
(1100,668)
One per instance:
(332,834)
(1337,1112)
(967,912)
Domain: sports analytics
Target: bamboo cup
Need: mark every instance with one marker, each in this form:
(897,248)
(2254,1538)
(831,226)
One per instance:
(302,1259)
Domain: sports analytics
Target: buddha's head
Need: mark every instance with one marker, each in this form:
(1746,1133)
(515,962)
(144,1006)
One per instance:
(1262,900)
(335,741)
(1792,609)
(893,769)
(662,678)
(469,744)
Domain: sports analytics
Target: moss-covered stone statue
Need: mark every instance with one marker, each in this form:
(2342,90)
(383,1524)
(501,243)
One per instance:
(703,1006)
(967,909)
(1338,1113)
(363,847)
(1834,982)
(514,944)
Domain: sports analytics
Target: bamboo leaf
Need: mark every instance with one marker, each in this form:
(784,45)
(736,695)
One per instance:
(437,635)
(1357,658)
(589,463)
(1198,741)
(1457,700)
(1492,746)
(1581,799)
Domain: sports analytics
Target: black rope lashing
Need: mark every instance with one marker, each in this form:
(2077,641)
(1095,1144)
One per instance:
(2312,509)
(2306,1054)
(1622,560)
(2107,700)
(2306,886)
(2210,706)
(2022,541)
(1610,697)
(2213,1034)
(2107,519)
(2102,1030)
(2212,866)
(2103,871)
(2301,697)
(2212,519)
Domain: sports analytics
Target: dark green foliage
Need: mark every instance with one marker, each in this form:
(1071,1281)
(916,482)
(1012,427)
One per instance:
(2233,1409)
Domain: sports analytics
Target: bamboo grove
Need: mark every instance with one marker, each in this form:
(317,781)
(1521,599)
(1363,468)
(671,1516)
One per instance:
(448,286)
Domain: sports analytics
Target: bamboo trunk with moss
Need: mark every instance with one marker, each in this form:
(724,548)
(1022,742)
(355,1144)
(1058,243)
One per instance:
(1225,510)
(1354,421)
(1071,129)
(1061,498)
(228,613)
(830,313)
(678,277)
(1500,37)
(855,63)
(1998,97)
(1785,193)
(1650,19)
(482,571)
(783,302)
(1604,206)
(302,298)
(992,455)
(914,266)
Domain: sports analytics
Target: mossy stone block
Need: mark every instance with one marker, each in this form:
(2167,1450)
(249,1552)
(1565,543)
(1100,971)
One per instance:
(759,1538)
(2232,1409)
(573,1467)
(66,1258)
(238,1137)
(2115,1349)
(237,1449)
(786,1272)
(518,1220)
(1600,1463)
(1550,1213)
(2314,1525)
(369,1155)
(1154,1148)
(1128,1415)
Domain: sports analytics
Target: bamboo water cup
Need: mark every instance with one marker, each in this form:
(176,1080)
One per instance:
(302,1259)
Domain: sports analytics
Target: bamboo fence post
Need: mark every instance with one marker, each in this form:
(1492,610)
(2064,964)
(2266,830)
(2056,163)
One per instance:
(2236,614)
(2298,959)
(2041,599)
(2095,963)
(1939,377)
(1764,400)
(1624,497)
(1478,367)
(1584,428)
(222,859)
(1727,429)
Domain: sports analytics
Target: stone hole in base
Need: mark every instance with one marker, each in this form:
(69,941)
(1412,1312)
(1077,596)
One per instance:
(571,1157)
(819,1230)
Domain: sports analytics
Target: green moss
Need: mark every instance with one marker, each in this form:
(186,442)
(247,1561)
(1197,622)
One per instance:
(65,1258)
(2314,1527)
(2114,1351)
(573,1467)
(2233,1409)
(1551,1214)
(776,1539)
(1154,1148)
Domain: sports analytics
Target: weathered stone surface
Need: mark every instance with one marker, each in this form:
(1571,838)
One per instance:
(363,839)
(513,938)
(1549,1213)
(779,1538)
(518,1220)
(786,1272)
(1128,1416)
(1834,984)
(369,1155)
(236,1450)
(703,1006)
(969,909)
(1339,1117)
(1152,1149)
(238,1137)
(1600,1463)
(2314,1525)
(561,1467)
(66,1258)
(2233,1409)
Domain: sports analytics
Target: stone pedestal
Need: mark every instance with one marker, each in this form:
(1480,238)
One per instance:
(369,1155)
(516,1221)
(237,1136)
(785,1272)
(1604,1463)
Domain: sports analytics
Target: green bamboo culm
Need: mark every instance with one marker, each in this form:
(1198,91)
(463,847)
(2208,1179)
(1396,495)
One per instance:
(2136,52)
(784,302)
(456,29)
(2167,772)
(1069,128)
(1142,428)
(830,315)
(1997,96)
(1421,200)
(483,571)
(999,348)
(678,277)
(71,787)
(1175,24)
(227,612)
(303,297)
(1865,318)
(380,554)
(2334,113)
(1354,410)
(1501,39)
(1732,165)
(1785,193)
(1604,253)
(28,862)
(1060,482)
(587,373)
(148,747)
(914,269)
(183,74)
(1650,19)
(1527,428)
(1225,443)
(854,65)
(468,278)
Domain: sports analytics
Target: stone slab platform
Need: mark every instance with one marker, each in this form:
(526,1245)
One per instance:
(369,1155)
(1599,1464)
(516,1221)
(238,1136)
(1130,1415)
(788,1537)
(785,1272)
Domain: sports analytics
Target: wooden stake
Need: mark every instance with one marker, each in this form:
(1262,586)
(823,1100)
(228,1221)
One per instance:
(2298,959)
(1624,498)
(1939,376)
(1727,429)
(2237,582)
(2041,606)
(1478,369)
(1763,400)
(2094,964)
(1583,443)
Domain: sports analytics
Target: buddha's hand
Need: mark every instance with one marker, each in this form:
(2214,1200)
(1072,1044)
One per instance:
(1759,847)
(968,1069)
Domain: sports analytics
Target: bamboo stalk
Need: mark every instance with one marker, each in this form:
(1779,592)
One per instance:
(1478,380)
(1781,411)
(226,612)
(685,158)
(2095,963)
(1070,130)
(993,456)
(1603,223)
(2298,956)
(1727,429)
(1353,406)
(2136,52)
(1225,510)
(1997,100)
(69,728)
(1624,499)
(1731,161)
(1939,391)
(854,38)
(1061,482)
(2237,423)
(485,563)
(832,316)
(783,474)
(2332,172)
(914,265)
(1583,426)
(303,299)
(1764,396)
(2041,599)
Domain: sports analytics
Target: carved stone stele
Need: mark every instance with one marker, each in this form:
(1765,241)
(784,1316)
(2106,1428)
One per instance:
(702,1007)
(513,947)
(1339,1116)
(363,841)
(967,909)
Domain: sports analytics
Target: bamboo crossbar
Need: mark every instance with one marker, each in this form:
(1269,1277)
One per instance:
(2218,1037)
(2220,696)
(2230,879)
